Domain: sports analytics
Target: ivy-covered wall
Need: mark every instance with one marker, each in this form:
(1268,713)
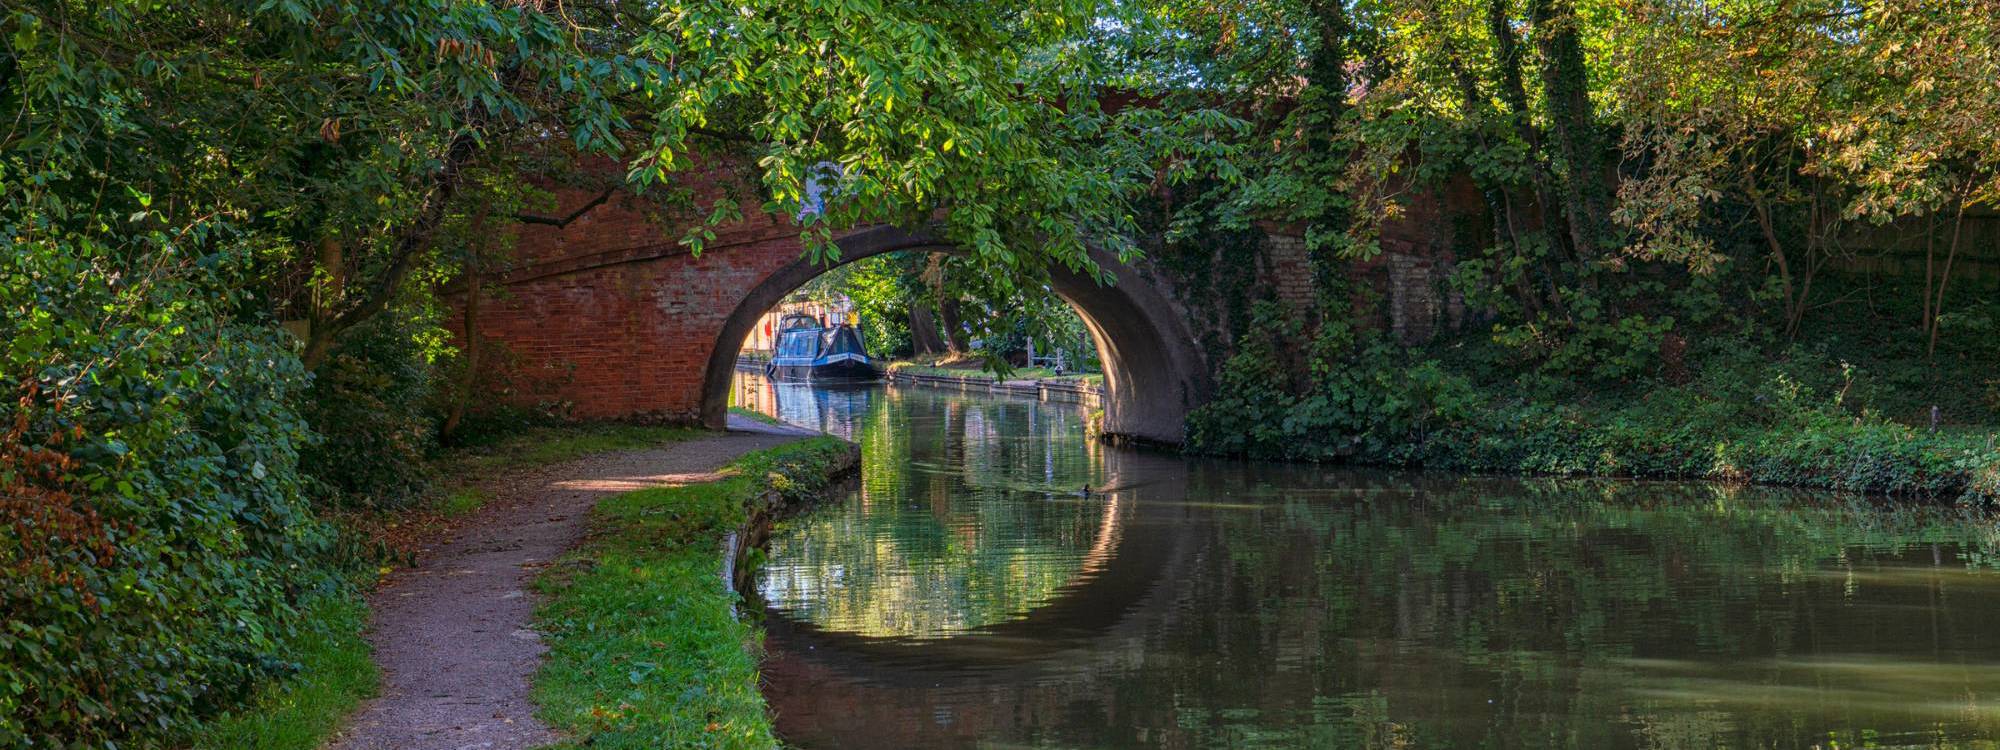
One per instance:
(1403,290)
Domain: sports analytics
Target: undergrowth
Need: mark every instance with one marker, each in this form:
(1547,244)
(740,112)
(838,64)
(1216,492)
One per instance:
(1790,416)
(334,672)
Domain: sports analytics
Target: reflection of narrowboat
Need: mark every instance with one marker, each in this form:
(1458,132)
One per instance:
(811,350)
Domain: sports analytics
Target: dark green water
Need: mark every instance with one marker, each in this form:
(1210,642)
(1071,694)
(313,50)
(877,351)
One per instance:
(968,595)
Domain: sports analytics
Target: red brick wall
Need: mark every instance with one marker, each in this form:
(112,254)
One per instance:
(612,317)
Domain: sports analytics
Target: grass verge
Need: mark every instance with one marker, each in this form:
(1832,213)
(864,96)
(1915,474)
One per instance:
(536,446)
(335,672)
(644,648)
(755,415)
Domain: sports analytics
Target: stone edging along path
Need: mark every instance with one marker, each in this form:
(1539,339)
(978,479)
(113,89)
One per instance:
(453,635)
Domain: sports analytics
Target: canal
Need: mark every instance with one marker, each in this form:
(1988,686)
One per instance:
(970,592)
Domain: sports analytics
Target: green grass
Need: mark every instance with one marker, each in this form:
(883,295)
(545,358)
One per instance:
(645,650)
(462,501)
(335,673)
(755,415)
(336,670)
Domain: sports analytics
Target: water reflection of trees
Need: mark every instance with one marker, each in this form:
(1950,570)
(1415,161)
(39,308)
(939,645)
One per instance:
(1456,612)
(1318,607)
(967,516)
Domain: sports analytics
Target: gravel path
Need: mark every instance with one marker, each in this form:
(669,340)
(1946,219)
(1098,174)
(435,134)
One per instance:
(453,634)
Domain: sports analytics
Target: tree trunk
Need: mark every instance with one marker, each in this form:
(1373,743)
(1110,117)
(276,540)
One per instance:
(330,279)
(1514,92)
(414,236)
(954,333)
(1327,149)
(1936,304)
(1499,208)
(467,380)
(1566,86)
(924,338)
(1794,306)
(1930,267)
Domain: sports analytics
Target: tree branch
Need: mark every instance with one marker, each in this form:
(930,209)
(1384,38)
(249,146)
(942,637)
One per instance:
(722,135)
(407,243)
(573,215)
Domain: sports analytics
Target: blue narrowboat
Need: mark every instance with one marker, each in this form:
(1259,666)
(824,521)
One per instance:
(808,349)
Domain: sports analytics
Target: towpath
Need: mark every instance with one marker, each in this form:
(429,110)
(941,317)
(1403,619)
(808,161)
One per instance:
(454,635)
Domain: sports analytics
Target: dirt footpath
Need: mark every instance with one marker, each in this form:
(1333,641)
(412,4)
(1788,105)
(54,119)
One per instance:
(454,635)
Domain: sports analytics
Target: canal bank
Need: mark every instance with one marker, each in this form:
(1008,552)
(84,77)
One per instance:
(1065,389)
(646,648)
(1086,390)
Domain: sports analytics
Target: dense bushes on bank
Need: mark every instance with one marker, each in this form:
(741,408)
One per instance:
(160,538)
(1744,414)
(371,405)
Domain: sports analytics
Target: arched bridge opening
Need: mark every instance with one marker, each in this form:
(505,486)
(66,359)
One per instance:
(610,317)
(1153,372)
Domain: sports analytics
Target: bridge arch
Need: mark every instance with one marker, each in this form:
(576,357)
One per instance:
(612,316)
(1153,371)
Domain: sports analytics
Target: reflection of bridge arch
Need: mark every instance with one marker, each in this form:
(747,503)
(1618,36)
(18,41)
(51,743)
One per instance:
(1153,372)
(1125,583)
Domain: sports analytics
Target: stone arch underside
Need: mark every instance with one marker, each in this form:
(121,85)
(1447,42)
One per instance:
(1153,371)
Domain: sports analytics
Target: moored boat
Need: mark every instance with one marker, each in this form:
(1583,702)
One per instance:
(811,350)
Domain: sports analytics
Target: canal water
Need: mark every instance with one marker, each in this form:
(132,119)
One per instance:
(969,593)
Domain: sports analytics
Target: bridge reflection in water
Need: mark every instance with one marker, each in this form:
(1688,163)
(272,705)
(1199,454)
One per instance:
(968,595)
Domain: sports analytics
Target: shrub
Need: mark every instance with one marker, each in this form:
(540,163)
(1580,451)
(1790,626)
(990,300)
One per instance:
(370,406)
(156,538)
(1745,416)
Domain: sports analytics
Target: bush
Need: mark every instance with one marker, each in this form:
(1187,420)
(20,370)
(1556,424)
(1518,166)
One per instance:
(1744,416)
(156,533)
(370,405)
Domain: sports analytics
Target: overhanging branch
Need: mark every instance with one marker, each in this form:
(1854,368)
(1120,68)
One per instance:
(573,215)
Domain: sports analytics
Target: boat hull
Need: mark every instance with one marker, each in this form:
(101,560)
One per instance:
(840,371)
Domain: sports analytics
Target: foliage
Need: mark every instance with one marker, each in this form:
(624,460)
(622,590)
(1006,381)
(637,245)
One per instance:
(369,404)
(181,177)
(156,535)
(882,288)
(1742,418)
(1659,183)
(1752,140)
(335,672)
(645,649)
(889,291)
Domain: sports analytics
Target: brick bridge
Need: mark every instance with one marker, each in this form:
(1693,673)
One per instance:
(612,317)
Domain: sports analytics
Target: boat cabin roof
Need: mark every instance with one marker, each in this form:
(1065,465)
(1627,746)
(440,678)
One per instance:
(797,321)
